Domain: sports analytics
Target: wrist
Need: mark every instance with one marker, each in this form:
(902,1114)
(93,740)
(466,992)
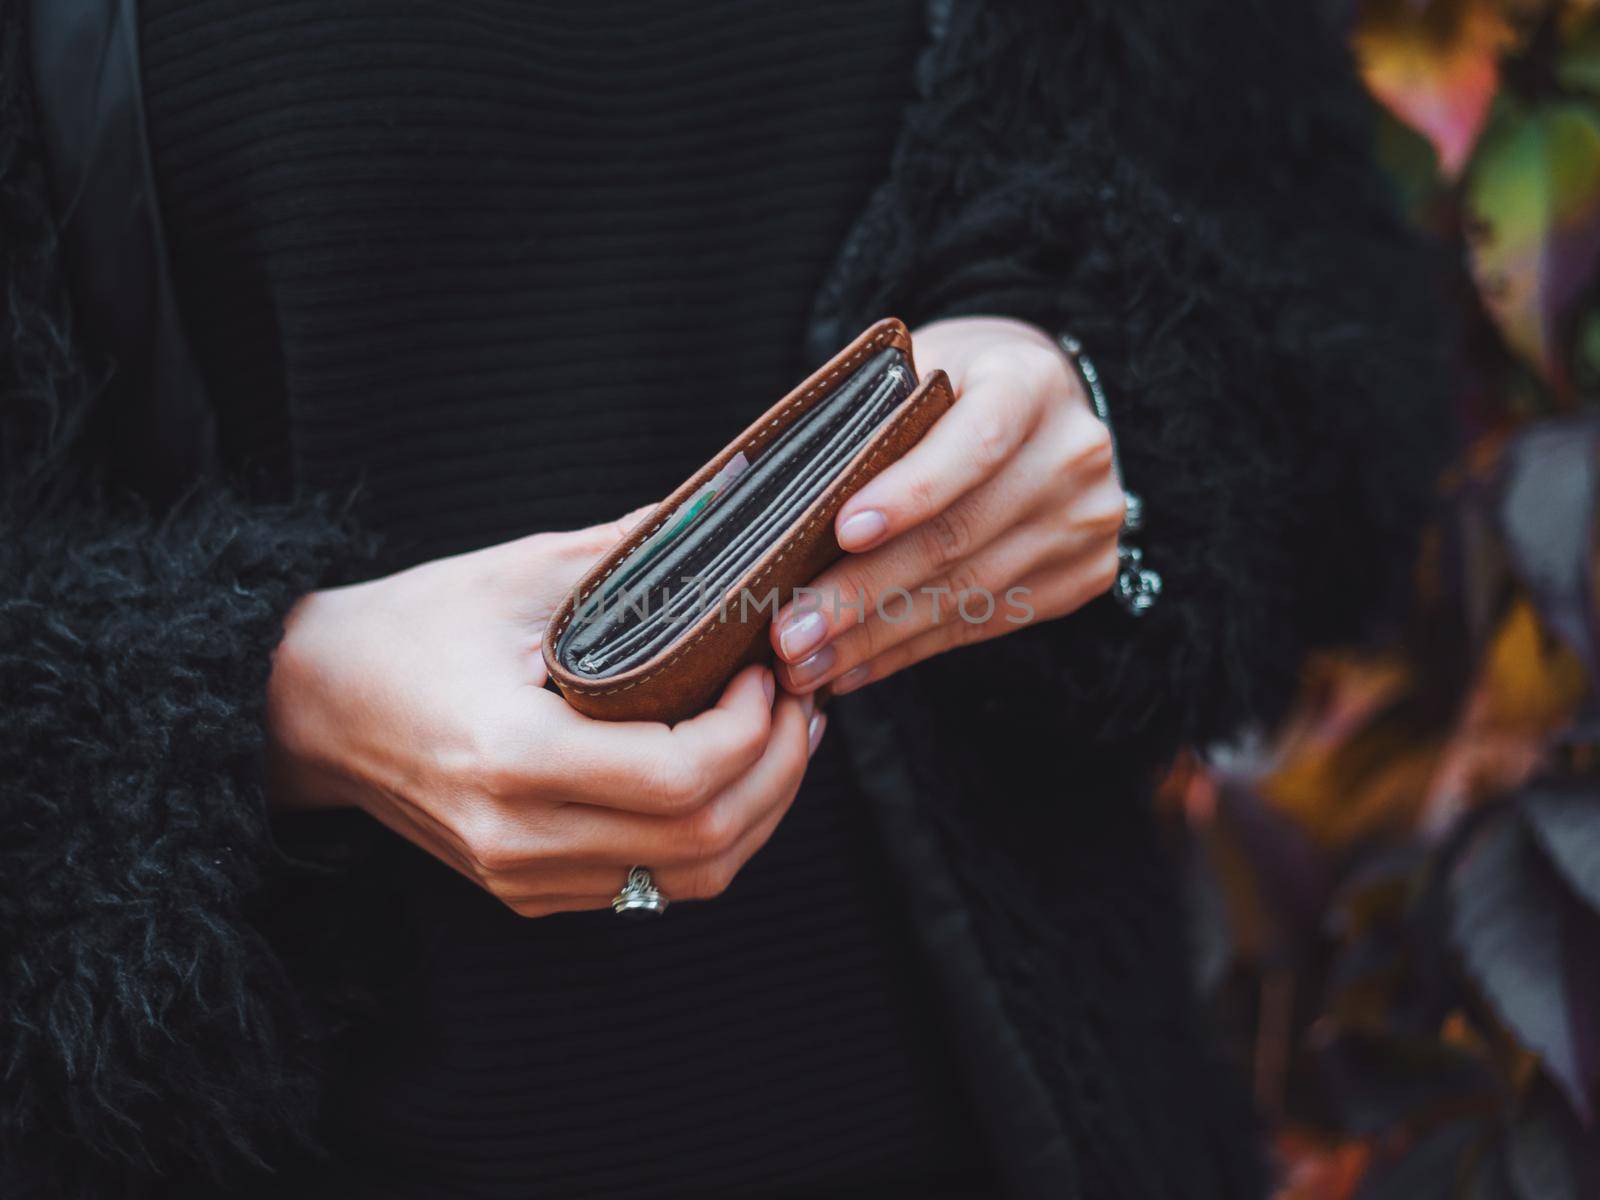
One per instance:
(299,775)
(1137,587)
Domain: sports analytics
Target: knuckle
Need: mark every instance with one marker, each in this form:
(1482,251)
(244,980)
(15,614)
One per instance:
(948,536)
(1107,512)
(487,839)
(675,783)
(1042,368)
(790,759)
(922,495)
(712,831)
(501,888)
(751,737)
(965,578)
(969,603)
(497,766)
(992,439)
(1091,444)
(854,586)
(996,361)
(501,780)
(713,878)
(875,637)
(863,643)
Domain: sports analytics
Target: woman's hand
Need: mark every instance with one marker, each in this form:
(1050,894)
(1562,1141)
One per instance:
(420,698)
(1006,512)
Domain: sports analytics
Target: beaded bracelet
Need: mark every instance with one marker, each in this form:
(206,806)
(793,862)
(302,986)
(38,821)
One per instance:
(1137,587)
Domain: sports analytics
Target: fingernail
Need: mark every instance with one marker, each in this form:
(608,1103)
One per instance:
(860,530)
(815,667)
(814,731)
(769,685)
(850,680)
(801,634)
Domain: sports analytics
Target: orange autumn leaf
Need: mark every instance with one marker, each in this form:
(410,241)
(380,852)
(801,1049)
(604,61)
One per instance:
(1341,796)
(1530,682)
(1344,772)
(1435,65)
(1528,686)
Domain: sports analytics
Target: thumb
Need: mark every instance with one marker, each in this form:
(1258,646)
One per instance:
(589,543)
(600,538)
(550,564)
(627,521)
(557,558)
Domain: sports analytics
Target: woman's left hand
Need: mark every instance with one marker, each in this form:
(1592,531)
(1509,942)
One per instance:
(1006,512)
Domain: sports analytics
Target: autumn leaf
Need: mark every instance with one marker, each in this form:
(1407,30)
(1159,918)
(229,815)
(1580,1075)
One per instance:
(1527,686)
(1507,919)
(1348,769)
(1566,823)
(1435,66)
(1533,204)
(1547,510)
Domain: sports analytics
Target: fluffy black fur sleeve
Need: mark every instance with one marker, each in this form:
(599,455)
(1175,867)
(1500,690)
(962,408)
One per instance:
(1189,189)
(146,1030)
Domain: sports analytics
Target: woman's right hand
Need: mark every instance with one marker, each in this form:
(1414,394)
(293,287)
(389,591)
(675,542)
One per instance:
(420,698)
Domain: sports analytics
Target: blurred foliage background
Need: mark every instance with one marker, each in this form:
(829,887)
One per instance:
(1398,898)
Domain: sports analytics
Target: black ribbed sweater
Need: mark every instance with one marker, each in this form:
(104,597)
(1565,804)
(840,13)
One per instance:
(1264,324)
(512,265)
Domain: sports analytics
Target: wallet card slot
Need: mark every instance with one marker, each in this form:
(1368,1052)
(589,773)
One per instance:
(695,575)
(745,491)
(708,587)
(610,615)
(700,585)
(684,519)
(715,577)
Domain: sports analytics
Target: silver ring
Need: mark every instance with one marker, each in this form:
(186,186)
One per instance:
(639,897)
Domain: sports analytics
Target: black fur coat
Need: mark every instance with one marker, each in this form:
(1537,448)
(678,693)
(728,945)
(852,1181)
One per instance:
(1186,186)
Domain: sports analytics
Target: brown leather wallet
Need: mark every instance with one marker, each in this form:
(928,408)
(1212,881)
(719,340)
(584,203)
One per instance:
(660,624)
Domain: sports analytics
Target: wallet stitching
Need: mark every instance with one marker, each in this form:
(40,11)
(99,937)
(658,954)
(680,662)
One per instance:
(870,461)
(815,389)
